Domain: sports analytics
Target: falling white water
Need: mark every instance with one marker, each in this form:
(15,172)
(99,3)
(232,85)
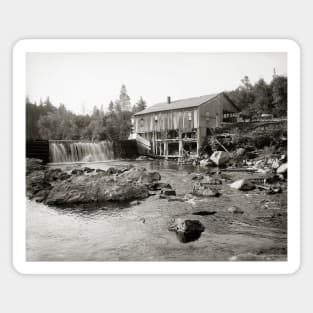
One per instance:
(61,152)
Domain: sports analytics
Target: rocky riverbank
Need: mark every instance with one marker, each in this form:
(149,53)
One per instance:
(82,185)
(205,202)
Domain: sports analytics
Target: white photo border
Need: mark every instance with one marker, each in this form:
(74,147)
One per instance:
(155,45)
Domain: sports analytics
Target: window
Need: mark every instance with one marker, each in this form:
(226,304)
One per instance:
(189,116)
(141,122)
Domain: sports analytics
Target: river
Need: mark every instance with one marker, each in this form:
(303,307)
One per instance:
(139,231)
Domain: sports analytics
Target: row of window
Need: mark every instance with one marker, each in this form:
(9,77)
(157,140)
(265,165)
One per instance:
(156,118)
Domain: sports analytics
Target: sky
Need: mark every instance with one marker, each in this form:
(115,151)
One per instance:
(83,80)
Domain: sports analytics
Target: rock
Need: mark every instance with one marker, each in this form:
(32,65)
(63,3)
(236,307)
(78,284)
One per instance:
(53,174)
(149,177)
(204,213)
(112,171)
(203,190)
(133,174)
(204,162)
(94,188)
(211,180)
(35,182)
(235,210)
(41,195)
(259,164)
(159,186)
(88,169)
(195,162)
(242,184)
(240,151)
(77,171)
(135,202)
(142,220)
(99,170)
(220,157)
(33,165)
(282,170)
(138,174)
(263,170)
(275,164)
(271,179)
(225,177)
(168,192)
(64,176)
(274,190)
(281,176)
(187,230)
(144,158)
(125,168)
(196,176)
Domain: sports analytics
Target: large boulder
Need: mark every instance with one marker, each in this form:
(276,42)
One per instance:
(220,157)
(243,184)
(54,186)
(186,230)
(94,188)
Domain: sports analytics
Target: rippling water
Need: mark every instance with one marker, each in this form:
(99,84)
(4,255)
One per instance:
(139,232)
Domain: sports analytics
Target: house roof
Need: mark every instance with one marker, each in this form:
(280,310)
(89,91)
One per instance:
(178,104)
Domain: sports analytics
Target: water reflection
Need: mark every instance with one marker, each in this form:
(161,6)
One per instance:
(93,210)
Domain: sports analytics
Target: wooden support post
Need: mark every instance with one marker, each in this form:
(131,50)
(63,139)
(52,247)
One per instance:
(166,150)
(198,142)
(180,144)
(180,147)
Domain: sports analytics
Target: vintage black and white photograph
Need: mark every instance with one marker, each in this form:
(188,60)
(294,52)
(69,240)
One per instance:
(156,156)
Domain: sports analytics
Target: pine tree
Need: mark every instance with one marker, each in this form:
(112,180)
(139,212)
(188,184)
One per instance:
(139,106)
(124,99)
(111,106)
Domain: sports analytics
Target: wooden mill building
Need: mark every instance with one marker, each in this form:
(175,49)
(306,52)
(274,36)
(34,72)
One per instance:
(176,128)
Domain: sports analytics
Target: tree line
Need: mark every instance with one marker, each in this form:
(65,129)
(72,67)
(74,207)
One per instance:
(46,121)
(261,97)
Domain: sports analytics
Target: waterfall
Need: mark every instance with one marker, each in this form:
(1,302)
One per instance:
(67,151)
